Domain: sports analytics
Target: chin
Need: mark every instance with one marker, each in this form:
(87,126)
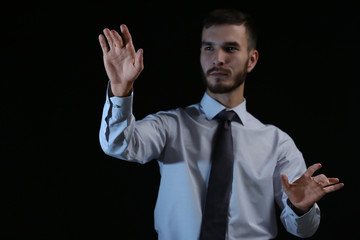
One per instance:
(219,88)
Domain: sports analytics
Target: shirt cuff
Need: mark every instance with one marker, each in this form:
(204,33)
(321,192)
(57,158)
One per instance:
(304,225)
(121,107)
(311,211)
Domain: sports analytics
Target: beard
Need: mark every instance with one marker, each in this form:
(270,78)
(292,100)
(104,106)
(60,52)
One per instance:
(236,82)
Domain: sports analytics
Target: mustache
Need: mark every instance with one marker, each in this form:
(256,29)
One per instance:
(217,69)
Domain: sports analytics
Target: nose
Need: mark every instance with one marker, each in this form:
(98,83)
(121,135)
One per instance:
(219,58)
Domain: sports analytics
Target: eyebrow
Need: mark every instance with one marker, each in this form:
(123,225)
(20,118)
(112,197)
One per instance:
(207,43)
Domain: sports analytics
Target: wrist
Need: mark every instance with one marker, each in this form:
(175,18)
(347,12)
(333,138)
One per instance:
(119,90)
(298,211)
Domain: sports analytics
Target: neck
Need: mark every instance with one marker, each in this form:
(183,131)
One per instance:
(230,99)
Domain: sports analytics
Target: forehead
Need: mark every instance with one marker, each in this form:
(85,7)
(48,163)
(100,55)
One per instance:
(218,34)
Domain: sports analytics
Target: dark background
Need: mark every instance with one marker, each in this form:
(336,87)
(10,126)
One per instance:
(56,181)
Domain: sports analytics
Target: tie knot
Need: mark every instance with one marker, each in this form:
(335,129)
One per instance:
(228,115)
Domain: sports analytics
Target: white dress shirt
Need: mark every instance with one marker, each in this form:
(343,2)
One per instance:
(180,140)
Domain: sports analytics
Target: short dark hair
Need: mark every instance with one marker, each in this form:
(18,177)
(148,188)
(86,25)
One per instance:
(233,16)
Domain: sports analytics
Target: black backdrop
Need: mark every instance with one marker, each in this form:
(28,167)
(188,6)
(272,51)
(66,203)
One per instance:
(56,181)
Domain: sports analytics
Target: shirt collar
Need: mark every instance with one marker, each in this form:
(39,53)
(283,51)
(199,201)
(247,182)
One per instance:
(211,108)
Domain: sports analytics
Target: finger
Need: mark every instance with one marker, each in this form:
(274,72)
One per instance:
(333,188)
(333,180)
(321,179)
(108,37)
(139,59)
(104,46)
(312,169)
(117,40)
(125,32)
(285,181)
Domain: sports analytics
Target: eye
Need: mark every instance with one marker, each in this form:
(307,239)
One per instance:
(230,49)
(208,48)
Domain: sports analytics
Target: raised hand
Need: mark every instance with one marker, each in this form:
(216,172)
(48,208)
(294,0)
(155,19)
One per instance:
(122,63)
(307,190)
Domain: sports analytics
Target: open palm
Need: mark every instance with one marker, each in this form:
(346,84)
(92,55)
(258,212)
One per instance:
(122,63)
(307,190)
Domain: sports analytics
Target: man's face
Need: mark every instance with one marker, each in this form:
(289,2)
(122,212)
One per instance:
(224,57)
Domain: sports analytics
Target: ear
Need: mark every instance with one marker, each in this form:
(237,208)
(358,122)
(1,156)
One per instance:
(253,58)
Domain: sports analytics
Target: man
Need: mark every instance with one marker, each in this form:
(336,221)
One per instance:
(268,168)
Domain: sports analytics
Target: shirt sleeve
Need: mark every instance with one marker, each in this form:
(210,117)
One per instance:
(122,137)
(292,163)
(302,226)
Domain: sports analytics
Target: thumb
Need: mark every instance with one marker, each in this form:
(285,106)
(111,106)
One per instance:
(285,181)
(139,59)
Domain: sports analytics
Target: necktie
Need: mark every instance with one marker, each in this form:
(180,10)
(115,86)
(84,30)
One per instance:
(215,215)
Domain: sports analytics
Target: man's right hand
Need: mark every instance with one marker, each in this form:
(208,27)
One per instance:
(122,64)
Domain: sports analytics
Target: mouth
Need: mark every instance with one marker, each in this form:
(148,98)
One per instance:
(218,74)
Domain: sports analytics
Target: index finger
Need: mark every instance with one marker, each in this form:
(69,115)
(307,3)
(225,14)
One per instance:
(312,169)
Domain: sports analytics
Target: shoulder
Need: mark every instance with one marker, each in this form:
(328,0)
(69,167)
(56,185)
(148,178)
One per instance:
(255,123)
(272,131)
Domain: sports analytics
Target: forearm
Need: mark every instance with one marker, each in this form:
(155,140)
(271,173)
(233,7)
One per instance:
(124,138)
(299,222)
(116,118)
